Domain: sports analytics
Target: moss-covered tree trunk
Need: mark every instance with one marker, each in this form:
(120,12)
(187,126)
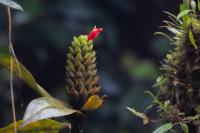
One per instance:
(182,69)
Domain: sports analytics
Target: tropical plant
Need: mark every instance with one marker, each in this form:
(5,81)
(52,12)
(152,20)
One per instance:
(82,87)
(177,101)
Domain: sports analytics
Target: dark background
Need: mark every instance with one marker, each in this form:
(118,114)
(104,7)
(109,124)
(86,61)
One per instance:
(128,54)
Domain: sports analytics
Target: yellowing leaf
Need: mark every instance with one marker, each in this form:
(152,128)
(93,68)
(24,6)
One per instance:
(140,115)
(93,103)
(42,126)
(23,74)
(44,108)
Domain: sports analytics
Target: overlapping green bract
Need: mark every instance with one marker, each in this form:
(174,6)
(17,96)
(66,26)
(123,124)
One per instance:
(82,80)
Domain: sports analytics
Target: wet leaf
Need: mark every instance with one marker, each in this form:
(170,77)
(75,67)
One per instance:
(11,4)
(22,73)
(93,103)
(192,40)
(42,126)
(140,115)
(164,128)
(44,108)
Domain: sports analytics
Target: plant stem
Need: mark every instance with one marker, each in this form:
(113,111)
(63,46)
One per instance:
(11,68)
(76,123)
(75,128)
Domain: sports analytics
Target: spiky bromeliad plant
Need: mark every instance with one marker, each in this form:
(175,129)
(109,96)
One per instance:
(178,100)
(82,88)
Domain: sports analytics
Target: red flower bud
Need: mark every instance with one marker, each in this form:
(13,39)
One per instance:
(94,33)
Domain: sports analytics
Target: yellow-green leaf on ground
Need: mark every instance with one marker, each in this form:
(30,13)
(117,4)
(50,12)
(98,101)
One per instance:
(42,126)
(93,103)
(11,4)
(44,108)
(22,73)
(140,115)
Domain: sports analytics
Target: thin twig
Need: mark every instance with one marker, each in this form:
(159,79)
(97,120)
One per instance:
(11,68)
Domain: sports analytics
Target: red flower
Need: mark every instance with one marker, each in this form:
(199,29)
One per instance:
(94,33)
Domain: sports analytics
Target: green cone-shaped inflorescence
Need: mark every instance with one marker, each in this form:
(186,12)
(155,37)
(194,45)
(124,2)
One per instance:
(180,85)
(82,79)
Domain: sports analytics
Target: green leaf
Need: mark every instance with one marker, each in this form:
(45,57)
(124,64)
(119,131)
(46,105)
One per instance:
(198,5)
(22,73)
(184,127)
(186,4)
(156,101)
(11,4)
(181,7)
(140,115)
(42,126)
(160,81)
(152,95)
(191,37)
(183,13)
(163,128)
(44,108)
